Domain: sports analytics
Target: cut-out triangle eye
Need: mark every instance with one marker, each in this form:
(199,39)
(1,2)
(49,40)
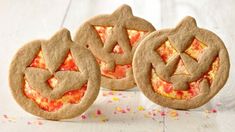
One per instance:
(181,70)
(103,32)
(38,61)
(166,51)
(69,64)
(118,49)
(195,49)
(134,36)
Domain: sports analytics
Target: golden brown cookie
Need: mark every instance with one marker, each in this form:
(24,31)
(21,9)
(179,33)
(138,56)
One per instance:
(183,67)
(54,79)
(113,39)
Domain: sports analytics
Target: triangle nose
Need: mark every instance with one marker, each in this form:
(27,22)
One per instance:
(181,69)
(52,81)
(117,49)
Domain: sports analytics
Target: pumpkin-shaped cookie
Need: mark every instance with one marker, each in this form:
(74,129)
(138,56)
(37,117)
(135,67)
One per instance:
(181,68)
(113,39)
(54,79)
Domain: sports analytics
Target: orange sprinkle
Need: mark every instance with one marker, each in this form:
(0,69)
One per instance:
(174,113)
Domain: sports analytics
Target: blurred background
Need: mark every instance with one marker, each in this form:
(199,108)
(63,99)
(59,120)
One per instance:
(25,20)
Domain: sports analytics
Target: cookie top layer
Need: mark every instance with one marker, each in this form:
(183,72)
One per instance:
(113,39)
(54,79)
(183,67)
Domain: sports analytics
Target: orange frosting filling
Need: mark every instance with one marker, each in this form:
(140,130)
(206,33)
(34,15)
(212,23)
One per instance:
(72,97)
(196,49)
(120,70)
(38,61)
(134,36)
(49,105)
(166,89)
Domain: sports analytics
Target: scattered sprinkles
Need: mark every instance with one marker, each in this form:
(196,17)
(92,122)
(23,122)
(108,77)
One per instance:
(114,97)
(213,110)
(7,118)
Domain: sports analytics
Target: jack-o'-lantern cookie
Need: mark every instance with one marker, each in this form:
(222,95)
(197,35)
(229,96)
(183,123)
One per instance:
(113,39)
(181,68)
(54,79)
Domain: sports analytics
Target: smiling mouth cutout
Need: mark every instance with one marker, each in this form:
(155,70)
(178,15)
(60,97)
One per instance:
(119,71)
(50,105)
(166,51)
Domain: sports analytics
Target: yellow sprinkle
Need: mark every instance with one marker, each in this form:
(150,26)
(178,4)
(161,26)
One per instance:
(140,108)
(115,99)
(173,113)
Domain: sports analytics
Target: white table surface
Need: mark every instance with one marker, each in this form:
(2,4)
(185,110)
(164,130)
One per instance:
(25,20)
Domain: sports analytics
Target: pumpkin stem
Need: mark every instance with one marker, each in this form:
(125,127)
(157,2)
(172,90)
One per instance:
(187,23)
(123,10)
(63,35)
